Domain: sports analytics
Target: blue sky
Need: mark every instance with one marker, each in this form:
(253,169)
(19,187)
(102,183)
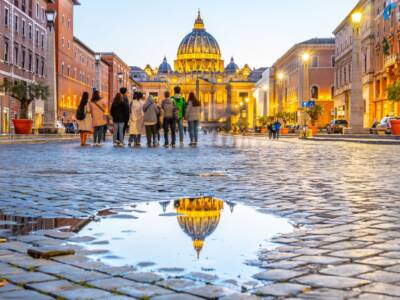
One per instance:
(256,32)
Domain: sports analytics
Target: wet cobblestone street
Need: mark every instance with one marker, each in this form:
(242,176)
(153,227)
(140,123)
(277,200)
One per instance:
(342,199)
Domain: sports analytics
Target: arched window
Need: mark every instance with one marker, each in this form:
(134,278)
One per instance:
(314,92)
(332,92)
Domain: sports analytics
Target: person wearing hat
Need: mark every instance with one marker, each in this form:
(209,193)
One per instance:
(99,110)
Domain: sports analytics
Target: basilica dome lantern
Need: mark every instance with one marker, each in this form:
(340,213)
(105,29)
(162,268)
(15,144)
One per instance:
(199,52)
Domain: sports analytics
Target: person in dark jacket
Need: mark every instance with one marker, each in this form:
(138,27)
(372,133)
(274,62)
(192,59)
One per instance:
(169,119)
(123,92)
(119,110)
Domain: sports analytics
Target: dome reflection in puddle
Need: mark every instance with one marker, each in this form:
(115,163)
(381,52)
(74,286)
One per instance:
(192,234)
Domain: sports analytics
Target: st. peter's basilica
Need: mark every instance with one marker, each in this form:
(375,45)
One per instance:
(226,92)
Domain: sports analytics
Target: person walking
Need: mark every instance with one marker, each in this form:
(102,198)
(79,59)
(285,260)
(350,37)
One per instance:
(169,119)
(159,124)
(119,110)
(193,117)
(277,129)
(180,104)
(84,118)
(99,111)
(136,119)
(270,131)
(150,111)
(123,92)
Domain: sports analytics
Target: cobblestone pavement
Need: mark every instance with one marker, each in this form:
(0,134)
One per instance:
(342,197)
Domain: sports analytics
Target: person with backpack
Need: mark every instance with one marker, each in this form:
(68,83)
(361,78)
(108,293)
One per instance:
(193,117)
(180,104)
(150,111)
(136,119)
(169,112)
(277,129)
(99,111)
(119,110)
(84,118)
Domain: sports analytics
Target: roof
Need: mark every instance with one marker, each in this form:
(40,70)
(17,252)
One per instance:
(83,45)
(348,17)
(113,55)
(319,41)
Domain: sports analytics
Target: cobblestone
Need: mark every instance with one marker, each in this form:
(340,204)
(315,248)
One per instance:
(346,214)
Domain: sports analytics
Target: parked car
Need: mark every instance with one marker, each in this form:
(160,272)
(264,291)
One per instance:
(60,127)
(337,126)
(71,127)
(384,125)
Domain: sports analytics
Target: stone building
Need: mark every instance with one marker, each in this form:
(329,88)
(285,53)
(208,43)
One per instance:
(294,80)
(343,63)
(23,46)
(225,92)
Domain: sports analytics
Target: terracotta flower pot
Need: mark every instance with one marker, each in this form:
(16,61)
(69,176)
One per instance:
(23,126)
(314,130)
(395,125)
(263,130)
(285,131)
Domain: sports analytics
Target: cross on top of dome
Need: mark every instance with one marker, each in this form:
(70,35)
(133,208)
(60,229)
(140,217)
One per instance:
(199,24)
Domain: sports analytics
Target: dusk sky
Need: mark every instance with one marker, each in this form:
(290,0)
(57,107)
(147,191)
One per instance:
(256,32)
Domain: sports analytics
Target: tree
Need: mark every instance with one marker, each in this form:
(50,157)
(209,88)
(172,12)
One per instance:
(25,93)
(394,92)
(314,113)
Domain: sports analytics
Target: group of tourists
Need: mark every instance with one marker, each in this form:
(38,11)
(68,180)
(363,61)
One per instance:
(137,116)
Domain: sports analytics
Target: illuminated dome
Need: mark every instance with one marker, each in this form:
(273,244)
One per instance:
(199,51)
(200,217)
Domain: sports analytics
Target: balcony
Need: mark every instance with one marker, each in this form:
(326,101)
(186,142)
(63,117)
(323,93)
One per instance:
(391,60)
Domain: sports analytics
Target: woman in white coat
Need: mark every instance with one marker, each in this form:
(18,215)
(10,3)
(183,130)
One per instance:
(136,119)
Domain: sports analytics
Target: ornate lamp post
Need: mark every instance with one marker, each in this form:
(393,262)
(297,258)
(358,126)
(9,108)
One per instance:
(97,58)
(356,101)
(306,84)
(120,77)
(50,106)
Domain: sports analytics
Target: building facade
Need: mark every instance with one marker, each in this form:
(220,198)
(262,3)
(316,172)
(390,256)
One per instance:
(344,34)
(261,94)
(386,49)
(294,80)
(23,46)
(225,92)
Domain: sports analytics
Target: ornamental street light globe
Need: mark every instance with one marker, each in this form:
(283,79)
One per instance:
(306,57)
(356,18)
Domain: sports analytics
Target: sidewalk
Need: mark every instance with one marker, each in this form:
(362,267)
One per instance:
(358,138)
(11,139)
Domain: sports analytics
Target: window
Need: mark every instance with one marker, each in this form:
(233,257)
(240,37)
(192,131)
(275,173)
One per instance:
(6,50)
(42,40)
(37,37)
(62,42)
(68,71)
(37,10)
(16,3)
(23,29)
(16,21)
(6,17)
(314,92)
(332,61)
(63,20)
(30,8)
(42,67)
(16,54)
(23,58)
(30,61)
(332,92)
(315,62)
(30,31)
(62,68)
(37,64)
(23,7)
(69,24)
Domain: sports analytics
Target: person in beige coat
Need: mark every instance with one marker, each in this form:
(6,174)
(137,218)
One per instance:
(99,110)
(136,123)
(84,118)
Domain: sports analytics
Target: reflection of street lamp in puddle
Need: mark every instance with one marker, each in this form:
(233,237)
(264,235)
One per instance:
(199,218)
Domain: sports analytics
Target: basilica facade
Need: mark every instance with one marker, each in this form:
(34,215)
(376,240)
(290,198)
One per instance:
(225,91)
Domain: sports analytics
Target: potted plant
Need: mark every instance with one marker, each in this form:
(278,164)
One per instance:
(25,93)
(314,113)
(394,95)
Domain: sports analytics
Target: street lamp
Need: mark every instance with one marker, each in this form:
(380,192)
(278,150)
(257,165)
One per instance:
(356,115)
(97,58)
(50,106)
(120,77)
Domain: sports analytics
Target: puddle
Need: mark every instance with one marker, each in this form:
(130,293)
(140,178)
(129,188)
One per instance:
(203,234)
(188,235)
